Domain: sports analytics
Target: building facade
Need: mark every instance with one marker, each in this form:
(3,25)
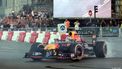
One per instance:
(117,8)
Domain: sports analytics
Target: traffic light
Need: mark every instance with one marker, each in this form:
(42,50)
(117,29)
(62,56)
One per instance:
(95,9)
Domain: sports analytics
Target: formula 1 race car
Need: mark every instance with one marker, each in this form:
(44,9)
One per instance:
(73,50)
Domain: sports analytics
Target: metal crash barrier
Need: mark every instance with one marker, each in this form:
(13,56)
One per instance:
(88,31)
(110,32)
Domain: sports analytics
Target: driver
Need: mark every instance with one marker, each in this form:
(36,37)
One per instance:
(69,38)
(73,36)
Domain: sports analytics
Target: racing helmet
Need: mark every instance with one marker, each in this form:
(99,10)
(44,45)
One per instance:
(72,34)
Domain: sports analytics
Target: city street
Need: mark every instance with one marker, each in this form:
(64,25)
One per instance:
(12,53)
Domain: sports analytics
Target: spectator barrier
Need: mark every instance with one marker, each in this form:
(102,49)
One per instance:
(54,35)
(40,37)
(48,37)
(28,36)
(15,36)
(110,32)
(10,35)
(87,31)
(22,36)
(5,35)
(1,33)
(31,37)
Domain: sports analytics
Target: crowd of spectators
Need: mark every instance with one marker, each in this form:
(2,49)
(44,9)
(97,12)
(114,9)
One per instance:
(110,23)
(42,17)
(27,19)
(96,23)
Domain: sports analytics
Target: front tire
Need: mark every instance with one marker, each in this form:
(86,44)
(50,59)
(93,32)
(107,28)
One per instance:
(35,48)
(77,52)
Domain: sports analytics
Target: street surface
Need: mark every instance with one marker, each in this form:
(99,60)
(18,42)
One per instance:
(12,53)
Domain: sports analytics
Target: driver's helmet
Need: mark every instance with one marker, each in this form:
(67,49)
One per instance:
(72,34)
(69,37)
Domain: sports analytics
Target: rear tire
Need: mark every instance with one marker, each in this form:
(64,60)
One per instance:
(100,49)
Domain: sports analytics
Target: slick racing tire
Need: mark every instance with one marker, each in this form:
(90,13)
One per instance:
(77,52)
(35,48)
(100,49)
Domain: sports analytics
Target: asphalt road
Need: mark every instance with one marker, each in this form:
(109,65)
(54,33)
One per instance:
(11,57)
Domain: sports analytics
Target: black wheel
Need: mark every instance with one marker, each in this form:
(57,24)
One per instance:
(77,52)
(100,49)
(35,48)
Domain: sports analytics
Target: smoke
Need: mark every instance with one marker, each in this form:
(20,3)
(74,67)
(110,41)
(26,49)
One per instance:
(114,48)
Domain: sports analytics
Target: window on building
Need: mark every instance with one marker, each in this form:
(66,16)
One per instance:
(0,2)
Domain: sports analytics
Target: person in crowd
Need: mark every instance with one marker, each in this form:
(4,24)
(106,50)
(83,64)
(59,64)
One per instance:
(121,25)
(110,23)
(67,23)
(76,23)
(103,23)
